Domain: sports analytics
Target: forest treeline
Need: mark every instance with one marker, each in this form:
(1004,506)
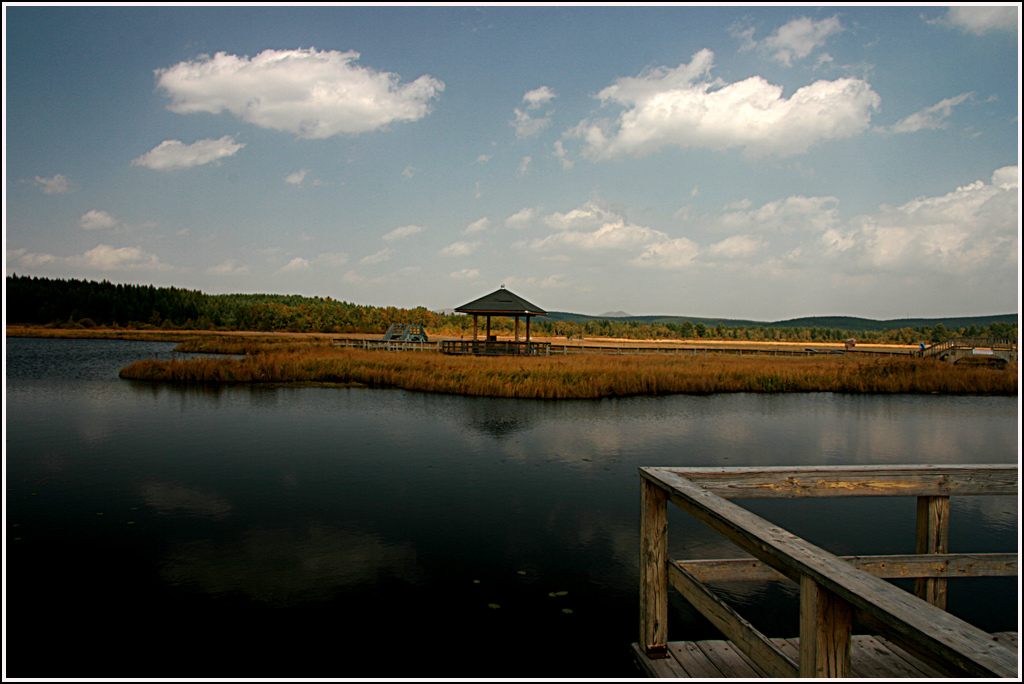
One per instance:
(86,304)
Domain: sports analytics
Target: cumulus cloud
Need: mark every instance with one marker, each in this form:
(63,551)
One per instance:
(478,226)
(561,155)
(464,274)
(683,107)
(972,229)
(402,232)
(171,155)
(310,93)
(521,219)
(668,254)
(524,166)
(107,258)
(378,257)
(230,267)
(539,96)
(790,215)
(458,249)
(799,37)
(55,185)
(526,125)
(96,220)
(929,117)
(980,19)
(296,264)
(296,178)
(410,171)
(736,247)
(595,226)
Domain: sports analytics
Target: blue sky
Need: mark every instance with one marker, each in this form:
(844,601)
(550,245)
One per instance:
(740,162)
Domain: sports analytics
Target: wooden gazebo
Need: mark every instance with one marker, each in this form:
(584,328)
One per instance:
(501,302)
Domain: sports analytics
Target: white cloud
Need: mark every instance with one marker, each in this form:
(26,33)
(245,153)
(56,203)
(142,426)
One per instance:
(296,264)
(539,96)
(458,249)
(790,215)
(330,259)
(464,274)
(55,185)
(107,258)
(526,125)
(590,215)
(378,257)
(484,158)
(296,178)
(980,19)
(307,92)
(523,167)
(736,247)
(613,234)
(561,154)
(402,232)
(683,108)
(521,219)
(171,155)
(478,226)
(96,220)
(973,229)
(410,171)
(929,117)
(30,259)
(229,267)
(799,37)
(668,254)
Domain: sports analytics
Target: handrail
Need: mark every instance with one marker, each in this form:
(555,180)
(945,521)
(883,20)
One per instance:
(833,590)
(1006,343)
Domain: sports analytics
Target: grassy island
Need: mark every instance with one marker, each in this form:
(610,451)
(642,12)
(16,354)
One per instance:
(315,361)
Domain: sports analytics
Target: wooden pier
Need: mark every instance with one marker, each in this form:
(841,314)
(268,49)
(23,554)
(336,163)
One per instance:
(912,634)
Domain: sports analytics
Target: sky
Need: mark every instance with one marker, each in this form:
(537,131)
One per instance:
(757,162)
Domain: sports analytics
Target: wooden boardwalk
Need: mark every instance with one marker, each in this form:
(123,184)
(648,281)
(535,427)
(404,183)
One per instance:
(835,592)
(872,657)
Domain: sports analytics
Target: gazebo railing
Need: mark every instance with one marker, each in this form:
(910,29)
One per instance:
(493,348)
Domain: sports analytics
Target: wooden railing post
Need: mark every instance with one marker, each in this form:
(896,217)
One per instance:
(653,570)
(826,621)
(932,537)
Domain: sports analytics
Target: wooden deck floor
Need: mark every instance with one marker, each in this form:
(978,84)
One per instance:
(872,657)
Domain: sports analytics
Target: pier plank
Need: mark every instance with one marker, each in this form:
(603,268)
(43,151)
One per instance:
(873,657)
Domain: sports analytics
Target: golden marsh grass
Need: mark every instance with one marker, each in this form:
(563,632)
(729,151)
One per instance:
(577,377)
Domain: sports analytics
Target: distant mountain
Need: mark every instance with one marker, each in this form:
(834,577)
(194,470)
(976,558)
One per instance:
(614,314)
(850,323)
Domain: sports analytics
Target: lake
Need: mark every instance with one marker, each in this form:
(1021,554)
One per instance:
(159,531)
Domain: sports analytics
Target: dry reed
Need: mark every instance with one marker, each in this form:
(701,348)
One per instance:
(583,377)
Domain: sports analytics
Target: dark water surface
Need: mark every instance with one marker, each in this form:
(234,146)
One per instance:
(155,531)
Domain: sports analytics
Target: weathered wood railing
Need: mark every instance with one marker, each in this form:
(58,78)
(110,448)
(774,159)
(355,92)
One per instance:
(833,590)
(494,348)
(994,343)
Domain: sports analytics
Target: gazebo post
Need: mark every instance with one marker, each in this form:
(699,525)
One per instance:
(501,302)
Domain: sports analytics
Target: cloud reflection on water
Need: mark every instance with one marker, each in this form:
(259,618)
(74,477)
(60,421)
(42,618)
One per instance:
(286,567)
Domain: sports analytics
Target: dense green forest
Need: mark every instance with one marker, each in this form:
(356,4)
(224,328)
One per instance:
(85,304)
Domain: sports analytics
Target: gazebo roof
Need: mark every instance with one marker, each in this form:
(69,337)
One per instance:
(502,302)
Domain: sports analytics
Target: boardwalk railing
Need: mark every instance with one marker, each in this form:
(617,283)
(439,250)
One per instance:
(545,348)
(833,590)
(493,348)
(1003,346)
(387,345)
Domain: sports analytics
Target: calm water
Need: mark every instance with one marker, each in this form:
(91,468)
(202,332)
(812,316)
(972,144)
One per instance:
(154,531)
